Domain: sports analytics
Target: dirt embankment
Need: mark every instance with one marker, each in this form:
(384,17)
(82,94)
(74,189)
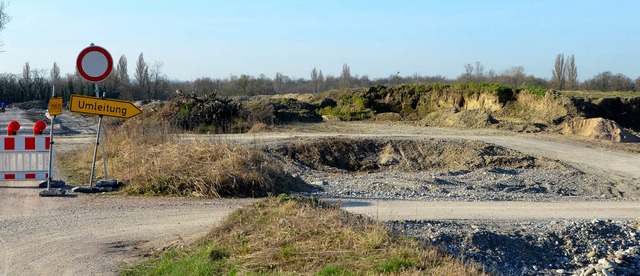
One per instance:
(524,110)
(440,169)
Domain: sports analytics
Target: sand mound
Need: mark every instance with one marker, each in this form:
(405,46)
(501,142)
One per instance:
(598,128)
(461,119)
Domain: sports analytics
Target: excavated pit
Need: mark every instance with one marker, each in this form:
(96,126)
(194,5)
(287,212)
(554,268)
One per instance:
(428,169)
(368,155)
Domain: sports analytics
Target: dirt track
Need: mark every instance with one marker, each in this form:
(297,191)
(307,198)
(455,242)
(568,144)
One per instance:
(91,235)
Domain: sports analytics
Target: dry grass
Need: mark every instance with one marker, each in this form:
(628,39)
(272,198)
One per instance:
(149,159)
(601,94)
(293,235)
(284,235)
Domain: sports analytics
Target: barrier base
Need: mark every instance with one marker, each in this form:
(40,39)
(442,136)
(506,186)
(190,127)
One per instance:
(107,183)
(90,190)
(53,184)
(48,193)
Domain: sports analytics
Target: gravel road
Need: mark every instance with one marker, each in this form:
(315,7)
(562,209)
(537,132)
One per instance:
(85,234)
(92,234)
(492,215)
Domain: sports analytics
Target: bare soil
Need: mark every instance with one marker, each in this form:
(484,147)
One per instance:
(93,234)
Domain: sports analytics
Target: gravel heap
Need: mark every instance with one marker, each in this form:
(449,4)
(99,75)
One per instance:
(538,247)
(486,184)
(565,247)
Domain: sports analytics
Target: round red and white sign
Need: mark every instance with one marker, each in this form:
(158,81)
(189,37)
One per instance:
(94,63)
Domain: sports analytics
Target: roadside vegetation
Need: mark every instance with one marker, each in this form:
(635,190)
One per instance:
(149,159)
(290,235)
(282,235)
(294,235)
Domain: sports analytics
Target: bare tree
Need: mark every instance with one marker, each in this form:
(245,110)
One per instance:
(121,69)
(55,77)
(601,82)
(278,83)
(157,79)
(515,76)
(121,80)
(206,86)
(558,73)
(479,72)
(55,73)
(492,75)
(4,19)
(467,76)
(620,82)
(345,77)
(27,80)
(142,75)
(243,83)
(571,72)
(320,81)
(637,85)
(315,80)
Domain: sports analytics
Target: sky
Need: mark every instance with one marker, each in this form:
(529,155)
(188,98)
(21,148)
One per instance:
(191,39)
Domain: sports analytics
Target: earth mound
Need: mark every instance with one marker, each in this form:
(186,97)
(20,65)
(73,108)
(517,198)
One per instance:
(599,128)
(475,118)
(428,169)
(368,155)
(31,105)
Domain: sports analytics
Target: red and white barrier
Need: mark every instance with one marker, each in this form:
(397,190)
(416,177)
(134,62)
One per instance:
(24,157)
(25,143)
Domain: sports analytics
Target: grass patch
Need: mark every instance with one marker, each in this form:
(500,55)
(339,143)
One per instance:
(535,90)
(294,235)
(350,108)
(600,94)
(150,160)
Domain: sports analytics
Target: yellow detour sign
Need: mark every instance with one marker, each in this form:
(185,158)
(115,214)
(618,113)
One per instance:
(104,107)
(55,106)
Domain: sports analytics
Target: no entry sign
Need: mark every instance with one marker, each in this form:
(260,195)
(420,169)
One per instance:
(94,63)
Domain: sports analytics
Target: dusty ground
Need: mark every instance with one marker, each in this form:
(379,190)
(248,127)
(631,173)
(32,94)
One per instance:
(91,234)
(82,234)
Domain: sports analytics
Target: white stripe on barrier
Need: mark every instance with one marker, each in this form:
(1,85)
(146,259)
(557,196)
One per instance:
(24,176)
(24,157)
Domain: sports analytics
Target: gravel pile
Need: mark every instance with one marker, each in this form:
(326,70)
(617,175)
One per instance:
(504,247)
(486,184)
(508,247)
(536,248)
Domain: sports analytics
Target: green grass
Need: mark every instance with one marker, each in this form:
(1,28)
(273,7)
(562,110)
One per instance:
(294,235)
(600,94)
(535,90)
(350,108)
(205,260)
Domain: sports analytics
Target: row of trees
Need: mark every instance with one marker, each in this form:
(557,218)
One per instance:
(150,82)
(565,73)
(564,76)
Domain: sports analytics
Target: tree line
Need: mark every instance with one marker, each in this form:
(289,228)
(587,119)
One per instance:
(149,82)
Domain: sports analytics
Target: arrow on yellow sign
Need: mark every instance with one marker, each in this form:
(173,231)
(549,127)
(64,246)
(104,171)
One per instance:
(105,107)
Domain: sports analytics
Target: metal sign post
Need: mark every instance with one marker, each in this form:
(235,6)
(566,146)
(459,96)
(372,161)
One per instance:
(94,63)
(54,108)
(95,150)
